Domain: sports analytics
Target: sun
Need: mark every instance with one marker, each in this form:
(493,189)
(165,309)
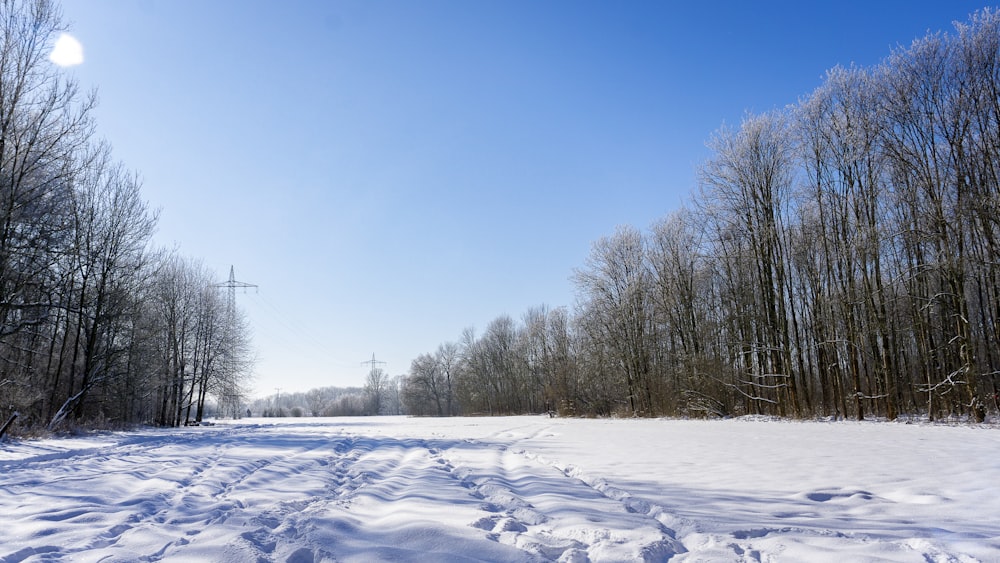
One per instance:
(67,51)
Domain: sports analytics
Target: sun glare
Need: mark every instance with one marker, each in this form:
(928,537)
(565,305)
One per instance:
(67,51)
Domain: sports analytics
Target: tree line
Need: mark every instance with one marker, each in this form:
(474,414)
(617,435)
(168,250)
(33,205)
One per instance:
(95,323)
(381,395)
(840,258)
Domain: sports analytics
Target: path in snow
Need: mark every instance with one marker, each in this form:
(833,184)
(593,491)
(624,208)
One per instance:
(510,489)
(278,493)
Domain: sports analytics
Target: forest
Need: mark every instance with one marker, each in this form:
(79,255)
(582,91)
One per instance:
(839,258)
(97,326)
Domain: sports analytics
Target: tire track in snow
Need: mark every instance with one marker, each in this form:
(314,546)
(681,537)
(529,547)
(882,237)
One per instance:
(83,509)
(281,531)
(268,498)
(669,523)
(543,510)
(198,499)
(759,544)
(377,508)
(542,513)
(310,477)
(170,487)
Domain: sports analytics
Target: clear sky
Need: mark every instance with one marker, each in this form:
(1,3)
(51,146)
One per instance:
(391,172)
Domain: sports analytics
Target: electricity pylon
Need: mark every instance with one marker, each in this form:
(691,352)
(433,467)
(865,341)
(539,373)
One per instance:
(373,362)
(231,394)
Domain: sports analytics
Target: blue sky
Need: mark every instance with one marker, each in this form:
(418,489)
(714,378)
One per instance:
(391,172)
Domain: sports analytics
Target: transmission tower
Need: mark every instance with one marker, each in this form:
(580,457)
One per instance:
(231,285)
(375,385)
(373,362)
(231,393)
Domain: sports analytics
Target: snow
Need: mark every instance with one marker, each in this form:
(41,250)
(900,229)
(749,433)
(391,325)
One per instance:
(506,489)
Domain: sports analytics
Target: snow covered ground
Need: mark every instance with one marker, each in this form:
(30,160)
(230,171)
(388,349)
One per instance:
(506,489)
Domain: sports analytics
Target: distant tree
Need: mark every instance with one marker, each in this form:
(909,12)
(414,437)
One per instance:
(394,396)
(563,385)
(422,390)
(315,401)
(376,389)
(349,404)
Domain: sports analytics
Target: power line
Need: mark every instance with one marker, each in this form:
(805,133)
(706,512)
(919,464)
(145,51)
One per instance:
(304,340)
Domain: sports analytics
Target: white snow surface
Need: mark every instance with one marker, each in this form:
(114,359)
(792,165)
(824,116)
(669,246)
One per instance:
(506,489)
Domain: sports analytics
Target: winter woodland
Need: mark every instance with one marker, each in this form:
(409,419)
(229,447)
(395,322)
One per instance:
(840,258)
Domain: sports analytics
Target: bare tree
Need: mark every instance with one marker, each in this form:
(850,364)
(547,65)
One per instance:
(616,283)
(112,227)
(939,101)
(45,127)
(683,309)
(376,388)
(423,393)
(745,189)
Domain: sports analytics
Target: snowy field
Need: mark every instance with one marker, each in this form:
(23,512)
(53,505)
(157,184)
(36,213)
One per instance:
(506,489)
